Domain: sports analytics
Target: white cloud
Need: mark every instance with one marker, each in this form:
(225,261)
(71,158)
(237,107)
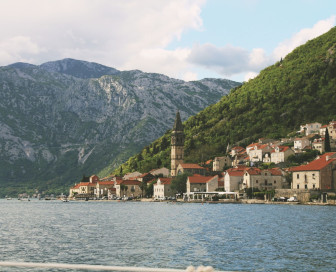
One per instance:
(190,76)
(250,75)
(232,60)
(228,60)
(128,35)
(121,34)
(302,37)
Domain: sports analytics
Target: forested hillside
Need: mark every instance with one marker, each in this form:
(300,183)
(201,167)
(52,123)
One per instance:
(298,89)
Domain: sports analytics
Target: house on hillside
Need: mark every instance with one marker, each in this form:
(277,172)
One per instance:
(267,179)
(301,144)
(161,189)
(132,175)
(323,130)
(237,150)
(233,178)
(191,168)
(220,162)
(332,130)
(318,144)
(318,174)
(281,153)
(146,177)
(311,128)
(161,171)
(257,151)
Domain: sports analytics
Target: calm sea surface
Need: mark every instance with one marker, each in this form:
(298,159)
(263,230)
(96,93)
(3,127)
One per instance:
(225,236)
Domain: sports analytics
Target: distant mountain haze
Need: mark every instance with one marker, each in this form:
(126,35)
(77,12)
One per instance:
(66,118)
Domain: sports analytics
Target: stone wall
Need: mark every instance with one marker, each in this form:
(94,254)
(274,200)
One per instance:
(302,195)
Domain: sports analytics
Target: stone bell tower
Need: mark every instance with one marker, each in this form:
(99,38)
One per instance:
(177,145)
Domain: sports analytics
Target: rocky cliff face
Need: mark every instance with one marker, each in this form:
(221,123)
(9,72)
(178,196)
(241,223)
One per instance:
(62,119)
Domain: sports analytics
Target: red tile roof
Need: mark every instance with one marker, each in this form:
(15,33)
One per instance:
(191,166)
(235,172)
(275,171)
(317,164)
(164,181)
(107,182)
(282,148)
(253,171)
(87,184)
(130,182)
(200,179)
(238,148)
(75,187)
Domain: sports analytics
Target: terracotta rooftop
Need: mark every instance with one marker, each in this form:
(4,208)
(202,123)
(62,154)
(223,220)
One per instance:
(317,164)
(191,166)
(235,172)
(200,179)
(253,171)
(107,182)
(129,182)
(282,148)
(165,181)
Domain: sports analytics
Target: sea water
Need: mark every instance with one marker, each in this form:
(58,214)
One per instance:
(237,237)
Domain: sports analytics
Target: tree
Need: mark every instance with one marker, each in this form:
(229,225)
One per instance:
(149,189)
(158,163)
(143,186)
(179,183)
(327,141)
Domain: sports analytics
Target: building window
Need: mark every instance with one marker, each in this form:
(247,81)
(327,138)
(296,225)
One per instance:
(298,186)
(306,186)
(297,176)
(313,186)
(256,181)
(313,176)
(275,182)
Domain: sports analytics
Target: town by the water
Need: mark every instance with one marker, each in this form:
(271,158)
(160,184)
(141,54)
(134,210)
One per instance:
(234,178)
(244,175)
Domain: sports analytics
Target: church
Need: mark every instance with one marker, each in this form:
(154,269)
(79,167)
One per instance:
(177,152)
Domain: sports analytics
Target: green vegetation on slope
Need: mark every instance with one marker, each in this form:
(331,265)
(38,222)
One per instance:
(293,91)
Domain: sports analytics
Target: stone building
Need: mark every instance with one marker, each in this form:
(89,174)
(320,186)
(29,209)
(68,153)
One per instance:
(220,162)
(267,179)
(198,183)
(318,174)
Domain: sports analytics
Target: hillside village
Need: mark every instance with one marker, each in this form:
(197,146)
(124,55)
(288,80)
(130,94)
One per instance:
(267,169)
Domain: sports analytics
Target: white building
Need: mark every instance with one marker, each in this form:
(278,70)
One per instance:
(233,178)
(281,153)
(161,189)
(301,143)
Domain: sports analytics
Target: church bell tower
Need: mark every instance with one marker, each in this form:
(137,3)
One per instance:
(177,145)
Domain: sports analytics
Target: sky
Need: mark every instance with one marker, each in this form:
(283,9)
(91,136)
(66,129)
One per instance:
(184,39)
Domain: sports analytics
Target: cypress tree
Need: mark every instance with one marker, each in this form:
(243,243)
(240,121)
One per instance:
(327,141)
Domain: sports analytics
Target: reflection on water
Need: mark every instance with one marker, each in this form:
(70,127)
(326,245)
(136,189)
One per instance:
(225,236)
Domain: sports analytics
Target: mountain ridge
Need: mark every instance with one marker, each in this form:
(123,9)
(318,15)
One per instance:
(55,127)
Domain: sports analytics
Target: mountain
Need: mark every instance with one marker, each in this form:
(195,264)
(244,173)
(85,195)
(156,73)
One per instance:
(299,89)
(63,119)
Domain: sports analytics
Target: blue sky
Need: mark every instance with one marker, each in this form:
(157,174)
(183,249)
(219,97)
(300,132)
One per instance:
(186,39)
